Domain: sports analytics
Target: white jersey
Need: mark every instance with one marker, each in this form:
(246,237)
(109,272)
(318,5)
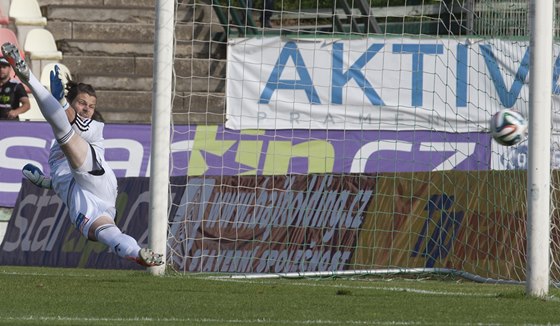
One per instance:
(86,195)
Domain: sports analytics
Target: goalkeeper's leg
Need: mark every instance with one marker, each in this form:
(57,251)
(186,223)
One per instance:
(105,231)
(49,106)
(75,149)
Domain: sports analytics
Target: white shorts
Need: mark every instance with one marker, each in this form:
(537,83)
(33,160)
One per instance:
(86,196)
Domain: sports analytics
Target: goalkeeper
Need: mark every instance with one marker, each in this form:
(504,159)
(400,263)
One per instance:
(79,174)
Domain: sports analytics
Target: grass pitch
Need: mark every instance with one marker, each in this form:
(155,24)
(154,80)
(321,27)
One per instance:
(54,296)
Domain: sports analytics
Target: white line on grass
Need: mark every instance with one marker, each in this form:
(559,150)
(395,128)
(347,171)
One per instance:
(203,320)
(224,321)
(382,288)
(227,279)
(4,272)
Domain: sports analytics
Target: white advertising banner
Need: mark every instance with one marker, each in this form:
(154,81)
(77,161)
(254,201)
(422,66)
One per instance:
(517,157)
(451,85)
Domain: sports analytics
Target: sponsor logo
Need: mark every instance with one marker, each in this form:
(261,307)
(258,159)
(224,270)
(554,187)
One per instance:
(276,223)
(81,222)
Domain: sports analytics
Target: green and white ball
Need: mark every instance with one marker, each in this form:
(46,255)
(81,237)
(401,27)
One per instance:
(508,127)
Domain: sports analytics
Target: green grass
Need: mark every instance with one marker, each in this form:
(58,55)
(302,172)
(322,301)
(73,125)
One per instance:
(50,296)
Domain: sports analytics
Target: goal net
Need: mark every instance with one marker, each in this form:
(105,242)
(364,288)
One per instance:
(350,137)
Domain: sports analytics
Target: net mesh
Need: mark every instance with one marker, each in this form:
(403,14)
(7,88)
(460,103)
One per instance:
(349,136)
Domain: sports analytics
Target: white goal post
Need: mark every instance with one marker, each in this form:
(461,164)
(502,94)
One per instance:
(540,124)
(161,126)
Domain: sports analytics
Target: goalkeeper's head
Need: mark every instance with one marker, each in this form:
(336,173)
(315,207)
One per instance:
(83,99)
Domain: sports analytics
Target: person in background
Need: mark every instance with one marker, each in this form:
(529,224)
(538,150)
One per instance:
(266,13)
(268,9)
(13,97)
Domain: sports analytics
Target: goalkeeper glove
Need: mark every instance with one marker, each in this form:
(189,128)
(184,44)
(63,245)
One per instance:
(57,87)
(36,176)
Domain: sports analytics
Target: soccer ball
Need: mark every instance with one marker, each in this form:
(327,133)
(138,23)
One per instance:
(508,127)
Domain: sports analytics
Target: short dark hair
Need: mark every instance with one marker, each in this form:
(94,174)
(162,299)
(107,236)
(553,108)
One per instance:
(74,89)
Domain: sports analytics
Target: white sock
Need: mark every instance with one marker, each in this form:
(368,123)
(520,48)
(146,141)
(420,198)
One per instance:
(123,245)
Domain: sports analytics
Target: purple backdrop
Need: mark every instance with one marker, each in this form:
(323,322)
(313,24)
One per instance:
(213,150)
